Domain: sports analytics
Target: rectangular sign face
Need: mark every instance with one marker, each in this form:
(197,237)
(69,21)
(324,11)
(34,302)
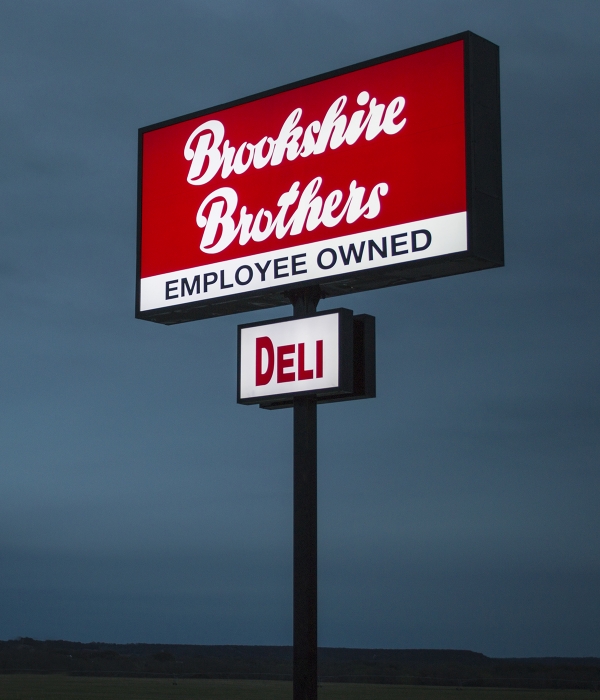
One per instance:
(380,174)
(295,356)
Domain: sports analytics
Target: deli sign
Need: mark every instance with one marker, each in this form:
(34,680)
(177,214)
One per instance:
(295,356)
(382,173)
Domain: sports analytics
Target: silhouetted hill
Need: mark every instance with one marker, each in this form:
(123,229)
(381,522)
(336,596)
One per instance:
(404,666)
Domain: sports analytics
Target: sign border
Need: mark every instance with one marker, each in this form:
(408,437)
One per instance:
(485,244)
(345,358)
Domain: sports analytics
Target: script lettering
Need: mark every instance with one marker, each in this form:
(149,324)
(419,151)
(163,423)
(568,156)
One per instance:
(209,151)
(216,214)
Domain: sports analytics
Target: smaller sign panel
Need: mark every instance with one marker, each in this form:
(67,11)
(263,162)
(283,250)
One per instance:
(295,356)
(363,368)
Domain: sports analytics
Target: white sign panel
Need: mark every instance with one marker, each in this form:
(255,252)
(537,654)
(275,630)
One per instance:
(295,356)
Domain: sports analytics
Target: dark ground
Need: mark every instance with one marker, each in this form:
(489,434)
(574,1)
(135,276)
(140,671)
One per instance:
(399,666)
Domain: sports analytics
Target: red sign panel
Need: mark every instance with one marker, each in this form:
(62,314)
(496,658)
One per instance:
(348,182)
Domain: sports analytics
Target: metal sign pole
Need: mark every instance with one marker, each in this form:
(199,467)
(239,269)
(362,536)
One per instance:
(305,531)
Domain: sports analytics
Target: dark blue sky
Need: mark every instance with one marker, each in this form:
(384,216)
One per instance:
(140,503)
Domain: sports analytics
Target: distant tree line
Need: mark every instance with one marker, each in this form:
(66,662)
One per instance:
(396,666)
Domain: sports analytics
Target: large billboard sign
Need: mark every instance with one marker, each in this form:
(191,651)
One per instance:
(382,173)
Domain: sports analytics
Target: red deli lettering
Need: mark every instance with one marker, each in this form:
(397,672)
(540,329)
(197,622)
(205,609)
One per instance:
(267,358)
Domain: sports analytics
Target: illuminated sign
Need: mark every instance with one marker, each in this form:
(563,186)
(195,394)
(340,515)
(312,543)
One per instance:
(291,357)
(383,173)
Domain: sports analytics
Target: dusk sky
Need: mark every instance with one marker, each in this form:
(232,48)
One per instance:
(140,503)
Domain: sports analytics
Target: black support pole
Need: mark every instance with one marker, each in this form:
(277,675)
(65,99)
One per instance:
(305,530)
